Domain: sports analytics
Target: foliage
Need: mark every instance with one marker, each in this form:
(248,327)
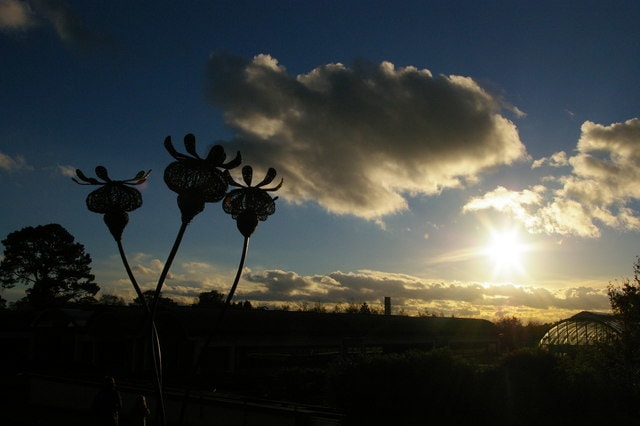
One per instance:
(210,299)
(514,335)
(48,261)
(364,309)
(525,387)
(624,354)
(407,388)
(354,308)
(111,300)
(164,302)
(625,303)
(85,300)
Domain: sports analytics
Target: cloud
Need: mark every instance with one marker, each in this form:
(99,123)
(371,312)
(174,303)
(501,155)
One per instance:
(22,15)
(412,294)
(558,159)
(600,190)
(183,283)
(15,15)
(67,171)
(12,164)
(358,140)
(503,199)
(417,295)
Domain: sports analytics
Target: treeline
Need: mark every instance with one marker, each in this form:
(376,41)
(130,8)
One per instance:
(513,333)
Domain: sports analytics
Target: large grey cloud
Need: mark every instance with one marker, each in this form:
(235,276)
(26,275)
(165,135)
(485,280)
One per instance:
(358,140)
(600,188)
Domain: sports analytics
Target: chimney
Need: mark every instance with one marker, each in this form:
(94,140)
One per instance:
(387,305)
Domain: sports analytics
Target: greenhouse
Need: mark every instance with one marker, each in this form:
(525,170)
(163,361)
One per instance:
(583,329)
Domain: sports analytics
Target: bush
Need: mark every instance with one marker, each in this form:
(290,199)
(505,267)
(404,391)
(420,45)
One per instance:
(405,389)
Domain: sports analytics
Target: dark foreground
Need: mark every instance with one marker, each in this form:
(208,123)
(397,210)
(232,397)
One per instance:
(46,400)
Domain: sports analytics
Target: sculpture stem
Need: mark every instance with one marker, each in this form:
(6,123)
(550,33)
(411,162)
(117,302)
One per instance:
(245,249)
(166,268)
(155,340)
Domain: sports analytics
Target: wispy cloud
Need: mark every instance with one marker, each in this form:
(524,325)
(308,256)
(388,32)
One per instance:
(12,164)
(600,189)
(67,171)
(17,15)
(358,140)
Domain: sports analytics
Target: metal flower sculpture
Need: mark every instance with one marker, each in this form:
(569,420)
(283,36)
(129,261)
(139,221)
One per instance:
(249,204)
(114,199)
(197,180)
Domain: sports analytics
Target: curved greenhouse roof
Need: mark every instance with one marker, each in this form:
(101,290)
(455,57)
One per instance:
(582,329)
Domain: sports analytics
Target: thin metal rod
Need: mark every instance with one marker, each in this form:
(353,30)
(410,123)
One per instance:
(167,266)
(155,339)
(133,280)
(245,249)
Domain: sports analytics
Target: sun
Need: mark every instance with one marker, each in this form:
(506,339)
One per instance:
(506,251)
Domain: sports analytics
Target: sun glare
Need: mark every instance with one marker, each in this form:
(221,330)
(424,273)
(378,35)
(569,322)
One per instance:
(505,250)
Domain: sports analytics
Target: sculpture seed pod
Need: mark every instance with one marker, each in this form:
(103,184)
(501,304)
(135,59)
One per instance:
(114,198)
(116,222)
(247,222)
(190,204)
(197,180)
(250,204)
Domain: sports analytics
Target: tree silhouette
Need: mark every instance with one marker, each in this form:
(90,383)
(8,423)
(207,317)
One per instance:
(210,299)
(625,303)
(165,302)
(48,261)
(624,353)
(111,299)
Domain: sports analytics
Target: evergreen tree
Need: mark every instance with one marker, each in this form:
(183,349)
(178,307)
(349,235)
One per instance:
(47,260)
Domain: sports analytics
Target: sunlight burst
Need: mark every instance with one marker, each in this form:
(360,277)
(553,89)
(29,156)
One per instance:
(506,251)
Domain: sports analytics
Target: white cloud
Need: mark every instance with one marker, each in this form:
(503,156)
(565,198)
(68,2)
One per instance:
(515,203)
(12,164)
(358,140)
(600,190)
(558,159)
(15,15)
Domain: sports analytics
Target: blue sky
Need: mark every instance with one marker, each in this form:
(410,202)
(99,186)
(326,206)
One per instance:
(410,135)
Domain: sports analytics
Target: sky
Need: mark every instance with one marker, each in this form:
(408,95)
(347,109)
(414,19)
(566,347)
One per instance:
(465,158)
